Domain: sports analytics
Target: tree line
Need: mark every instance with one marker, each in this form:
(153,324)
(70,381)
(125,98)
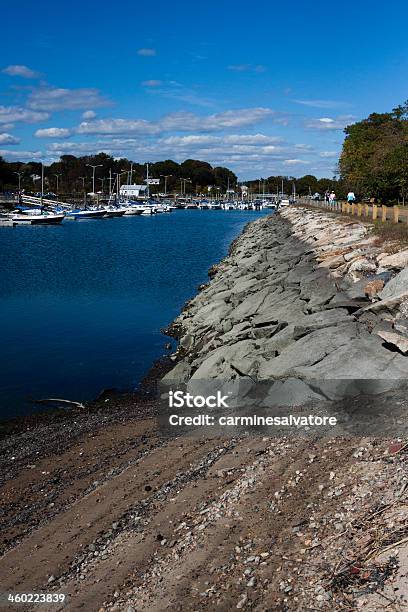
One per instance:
(74,175)
(374,158)
(305,185)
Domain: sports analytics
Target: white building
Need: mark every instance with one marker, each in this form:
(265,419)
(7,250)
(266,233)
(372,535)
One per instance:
(133,191)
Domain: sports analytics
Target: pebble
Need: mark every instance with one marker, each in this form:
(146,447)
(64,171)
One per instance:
(242,602)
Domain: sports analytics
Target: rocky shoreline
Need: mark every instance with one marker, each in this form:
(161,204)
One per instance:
(98,505)
(302,295)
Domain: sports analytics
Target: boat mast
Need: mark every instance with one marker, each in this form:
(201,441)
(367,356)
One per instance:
(147,180)
(42,184)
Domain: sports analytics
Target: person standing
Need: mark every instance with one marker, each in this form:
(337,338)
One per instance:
(332,198)
(351,198)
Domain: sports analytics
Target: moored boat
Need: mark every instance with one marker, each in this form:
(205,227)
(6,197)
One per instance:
(114,212)
(36,219)
(79,213)
(133,210)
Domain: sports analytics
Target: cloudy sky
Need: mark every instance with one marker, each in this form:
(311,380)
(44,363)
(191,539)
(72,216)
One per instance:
(264,87)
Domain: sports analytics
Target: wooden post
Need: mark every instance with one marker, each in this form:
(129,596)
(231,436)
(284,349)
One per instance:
(359,210)
(396,214)
(384,213)
(367,210)
(343,207)
(352,209)
(375,211)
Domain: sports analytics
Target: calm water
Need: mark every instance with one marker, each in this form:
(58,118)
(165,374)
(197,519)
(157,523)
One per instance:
(82,304)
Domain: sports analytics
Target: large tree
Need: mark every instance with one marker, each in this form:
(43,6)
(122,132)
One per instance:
(374,159)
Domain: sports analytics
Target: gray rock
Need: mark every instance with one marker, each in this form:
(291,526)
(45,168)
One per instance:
(395,286)
(401,325)
(290,392)
(249,306)
(319,320)
(362,359)
(389,304)
(187,342)
(395,339)
(308,351)
(179,374)
(353,254)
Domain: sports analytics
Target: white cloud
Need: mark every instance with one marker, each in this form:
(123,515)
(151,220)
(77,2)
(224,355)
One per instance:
(118,126)
(249,155)
(247,68)
(294,162)
(53,133)
(322,103)
(57,99)
(146,52)
(181,121)
(11,114)
(20,155)
(303,147)
(89,114)
(328,123)
(8,139)
(176,91)
(328,154)
(152,83)
(219,121)
(215,149)
(21,71)
(194,140)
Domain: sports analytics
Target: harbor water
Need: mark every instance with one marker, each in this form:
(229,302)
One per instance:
(82,304)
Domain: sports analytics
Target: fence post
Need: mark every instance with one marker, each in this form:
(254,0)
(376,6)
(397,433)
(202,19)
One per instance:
(359,210)
(375,211)
(396,214)
(384,213)
(352,210)
(367,210)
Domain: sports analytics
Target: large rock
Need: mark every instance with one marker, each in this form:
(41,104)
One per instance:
(362,265)
(290,392)
(395,339)
(227,360)
(390,304)
(362,359)
(397,261)
(308,351)
(249,306)
(319,320)
(395,286)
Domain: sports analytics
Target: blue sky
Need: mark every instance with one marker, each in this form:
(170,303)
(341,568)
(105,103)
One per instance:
(263,87)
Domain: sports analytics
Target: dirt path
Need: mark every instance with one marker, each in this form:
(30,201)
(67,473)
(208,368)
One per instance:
(254,523)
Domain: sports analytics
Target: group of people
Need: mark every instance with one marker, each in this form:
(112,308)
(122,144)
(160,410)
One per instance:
(330,197)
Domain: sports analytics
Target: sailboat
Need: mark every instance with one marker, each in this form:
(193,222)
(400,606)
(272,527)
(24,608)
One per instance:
(37,216)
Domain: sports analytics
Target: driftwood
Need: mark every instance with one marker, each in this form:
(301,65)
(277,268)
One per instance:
(63,403)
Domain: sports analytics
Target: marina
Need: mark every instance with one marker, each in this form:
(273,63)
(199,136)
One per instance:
(42,213)
(83,302)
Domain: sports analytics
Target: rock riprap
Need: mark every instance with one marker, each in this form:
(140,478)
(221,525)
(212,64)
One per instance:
(302,295)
